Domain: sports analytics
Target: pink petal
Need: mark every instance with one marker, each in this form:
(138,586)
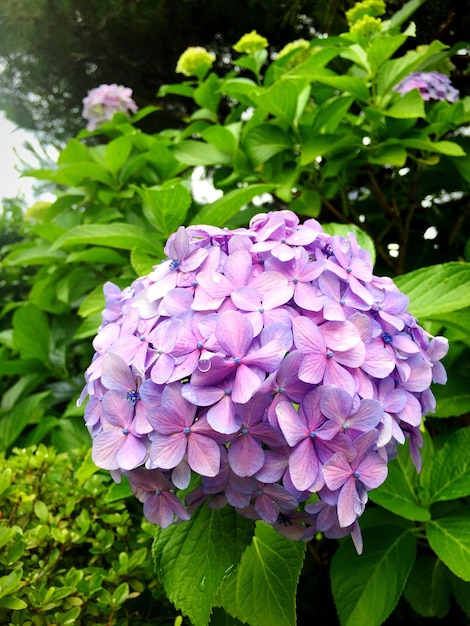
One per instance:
(245,455)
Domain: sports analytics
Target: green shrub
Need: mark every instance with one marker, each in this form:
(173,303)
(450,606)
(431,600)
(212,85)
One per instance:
(73,550)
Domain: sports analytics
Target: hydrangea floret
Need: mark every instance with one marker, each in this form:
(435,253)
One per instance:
(195,61)
(431,86)
(270,362)
(366,8)
(251,43)
(101,103)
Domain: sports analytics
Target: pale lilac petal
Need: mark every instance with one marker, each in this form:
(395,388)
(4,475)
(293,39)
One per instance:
(234,333)
(132,452)
(246,383)
(336,471)
(372,470)
(167,451)
(349,503)
(118,411)
(222,417)
(203,455)
(116,373)
(245,455)
(292,425)
(304,466)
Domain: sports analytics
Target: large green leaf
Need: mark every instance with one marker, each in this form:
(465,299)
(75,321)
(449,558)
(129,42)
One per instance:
(449,537)
(117,235)
(428,587)
(31,335)
(192,558)
(399,493)
(450,471)
(411,105)
(437,289)
(117,152)
(166,207)
(282,99)
(262,592)
(264,141)
(367,588)
(218,213)
(191,152)
(449,148)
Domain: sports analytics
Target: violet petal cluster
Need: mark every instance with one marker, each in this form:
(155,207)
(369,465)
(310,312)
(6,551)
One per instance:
(431,85)
(101,103)
(270,362)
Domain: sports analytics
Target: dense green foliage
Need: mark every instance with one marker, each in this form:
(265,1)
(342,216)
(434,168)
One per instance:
(321,132)
(71,551)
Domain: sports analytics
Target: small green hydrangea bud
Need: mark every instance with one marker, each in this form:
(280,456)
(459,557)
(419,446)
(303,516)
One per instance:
(367,26)
(299,50)
(194,60)
(251,43)
(370,8)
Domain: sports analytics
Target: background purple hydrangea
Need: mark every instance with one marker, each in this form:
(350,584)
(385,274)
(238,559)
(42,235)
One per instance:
(431,85)
(271,362)
(101,103)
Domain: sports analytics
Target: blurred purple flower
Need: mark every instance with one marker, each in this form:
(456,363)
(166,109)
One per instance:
(101,103)
(431,86)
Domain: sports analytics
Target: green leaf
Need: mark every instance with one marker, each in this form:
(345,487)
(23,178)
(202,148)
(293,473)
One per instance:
(399,493)
(12,603)
(117,152)
(191,152)
(327,145)
(448,148)
(262,592)
(264,141)
(461,591)
(281,99)
(453,399)
(218,213)
(450,471)
(449,537)
(331,113)
(144,263)
(35,254)
(367,588)
(166,208)
(428,587)
(117,235)
(437,289)
(221,137)
(391,154)
(207,95)
(192,558)
(382,48)
(31,335)
(410,105)
(77,173)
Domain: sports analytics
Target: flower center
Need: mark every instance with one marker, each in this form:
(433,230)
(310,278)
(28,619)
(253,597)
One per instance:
(174,265)
(186,430)
(132,395)
(356,474)
(387,338)
(328,354)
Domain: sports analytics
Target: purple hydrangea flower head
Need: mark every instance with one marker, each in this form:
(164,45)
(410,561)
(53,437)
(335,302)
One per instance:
(101,103)
(269,362)
(431,86)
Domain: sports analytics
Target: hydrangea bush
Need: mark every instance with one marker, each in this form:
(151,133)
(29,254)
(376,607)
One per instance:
(269,361)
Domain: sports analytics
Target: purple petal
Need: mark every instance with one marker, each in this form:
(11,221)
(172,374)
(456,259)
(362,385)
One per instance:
(234,333)
(116,373)
(304,466)
(292,425)
(167,451)
(203,455)
(336,471)
(245,455)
